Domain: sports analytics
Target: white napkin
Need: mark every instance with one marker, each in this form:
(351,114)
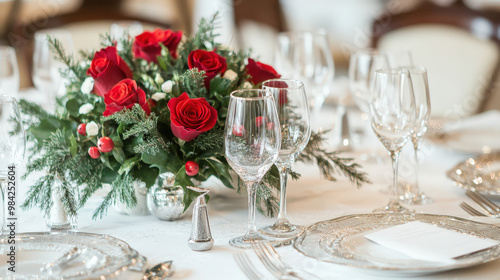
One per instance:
(428,242)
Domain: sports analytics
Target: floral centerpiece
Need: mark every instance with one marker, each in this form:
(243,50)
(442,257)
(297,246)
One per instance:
(158,104)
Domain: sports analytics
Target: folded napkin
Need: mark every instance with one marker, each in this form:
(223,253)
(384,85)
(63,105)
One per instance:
(427,242)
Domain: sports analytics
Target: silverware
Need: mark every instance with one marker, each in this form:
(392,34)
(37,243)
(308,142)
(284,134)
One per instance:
(247,266)
(492,209)
(272,261)
(159,271)
(471,210)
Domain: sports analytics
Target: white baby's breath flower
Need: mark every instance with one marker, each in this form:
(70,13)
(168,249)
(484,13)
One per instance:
(167,86)
(87,85)
(230,75)
(247,85)
(158,96)
(92,129)
(85,108)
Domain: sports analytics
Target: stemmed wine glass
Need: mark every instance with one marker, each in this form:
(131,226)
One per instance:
(420,85)
(362,66)
(9,71)
(294,118)
(12,147)
(392,108)
(252,143)
(307,56)
(46,68)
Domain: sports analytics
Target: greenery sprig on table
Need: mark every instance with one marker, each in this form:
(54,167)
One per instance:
(95,138)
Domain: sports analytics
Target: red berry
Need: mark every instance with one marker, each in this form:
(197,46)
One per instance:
(270,126)
(105,144)
(94,152)
(260,121)
(82,129)
(238,130)
(192,168)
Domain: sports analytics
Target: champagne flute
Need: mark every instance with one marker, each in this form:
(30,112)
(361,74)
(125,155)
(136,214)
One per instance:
(46,68)
(252,143)
(307,56)
(9,71)
(12,147)
(420,85)
(293,113)
(392,108)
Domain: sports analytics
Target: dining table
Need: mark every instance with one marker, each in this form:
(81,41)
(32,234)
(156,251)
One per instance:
(310,199)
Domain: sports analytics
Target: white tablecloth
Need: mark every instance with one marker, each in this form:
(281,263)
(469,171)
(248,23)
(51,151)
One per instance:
(310,199)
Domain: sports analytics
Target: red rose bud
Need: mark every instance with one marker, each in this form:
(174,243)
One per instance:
(105,144)
(94,152)
(107,69)
(238,130)
(208,61)
(125,95)
(190,117)
(260,121)
(260,72)
(270,126)
(82,129)
(147,45)
(192,168)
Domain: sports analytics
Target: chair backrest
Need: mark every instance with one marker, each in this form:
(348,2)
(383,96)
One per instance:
(460,48)
(92,18)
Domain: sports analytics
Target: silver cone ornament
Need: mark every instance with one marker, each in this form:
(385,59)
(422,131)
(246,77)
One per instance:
(201,237)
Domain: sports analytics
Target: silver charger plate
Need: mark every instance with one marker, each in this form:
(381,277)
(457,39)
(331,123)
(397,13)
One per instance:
(342,241)
(68,255)
(480,174)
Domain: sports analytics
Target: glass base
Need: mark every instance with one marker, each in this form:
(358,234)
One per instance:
(394,207)
(417,199)
(282,230)
(245,241)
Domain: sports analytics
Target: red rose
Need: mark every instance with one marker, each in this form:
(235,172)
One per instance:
(107,69)
(208,61)
(125,95)
(190,117)
(147,45)
(260,72)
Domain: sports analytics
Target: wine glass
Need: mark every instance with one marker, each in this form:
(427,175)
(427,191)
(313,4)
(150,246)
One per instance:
(392,108)
(252,143)
(420,85)
(307,56)
(398,58)
(293,113)
(46,68)
(12,147)
(9,71)
(362,66)
(123,28)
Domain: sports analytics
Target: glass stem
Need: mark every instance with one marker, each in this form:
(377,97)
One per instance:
(416,189)
(395,162)
(3,190)
(252,193)
(283,170)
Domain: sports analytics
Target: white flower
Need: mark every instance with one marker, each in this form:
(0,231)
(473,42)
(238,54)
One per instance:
(92,129)
(158,96)
(247,85)
(230,75)
(87,85)
(85,108)
(158,79)
(167,86)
